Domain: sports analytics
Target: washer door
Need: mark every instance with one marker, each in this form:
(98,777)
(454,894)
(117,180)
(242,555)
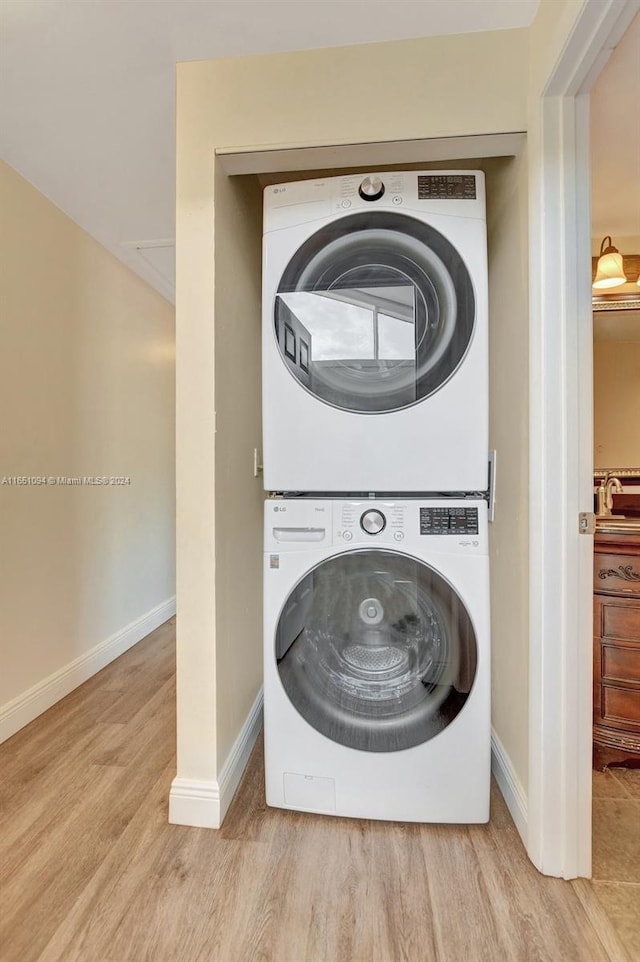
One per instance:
(374,313)
(376,650)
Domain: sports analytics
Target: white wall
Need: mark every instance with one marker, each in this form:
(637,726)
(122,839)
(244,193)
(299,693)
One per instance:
(86,389)
(458,85)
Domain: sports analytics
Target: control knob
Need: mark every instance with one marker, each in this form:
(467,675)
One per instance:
(371,188)
(373,522)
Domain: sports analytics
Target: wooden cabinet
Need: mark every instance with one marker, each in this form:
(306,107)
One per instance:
(616,648)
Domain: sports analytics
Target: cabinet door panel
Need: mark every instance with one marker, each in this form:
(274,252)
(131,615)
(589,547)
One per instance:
(621,705)
(621,664)
(616,573)
(621,621)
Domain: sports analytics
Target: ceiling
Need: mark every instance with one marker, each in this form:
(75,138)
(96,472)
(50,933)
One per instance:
(87,99)
(87,95)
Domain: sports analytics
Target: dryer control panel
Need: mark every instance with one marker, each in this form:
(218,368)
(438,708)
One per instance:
(459,192)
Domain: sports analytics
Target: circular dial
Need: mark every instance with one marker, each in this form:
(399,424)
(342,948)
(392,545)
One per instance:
(371,188)
(373,522)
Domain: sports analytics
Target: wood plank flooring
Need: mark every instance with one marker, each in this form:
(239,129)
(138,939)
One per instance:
(92,871)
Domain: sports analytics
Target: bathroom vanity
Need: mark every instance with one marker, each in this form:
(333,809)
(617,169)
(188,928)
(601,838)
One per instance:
(616,642)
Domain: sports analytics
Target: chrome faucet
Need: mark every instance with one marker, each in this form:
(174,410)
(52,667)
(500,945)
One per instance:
(608,485)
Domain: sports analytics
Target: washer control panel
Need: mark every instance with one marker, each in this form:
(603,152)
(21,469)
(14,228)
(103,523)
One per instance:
(410,525)
(404,524)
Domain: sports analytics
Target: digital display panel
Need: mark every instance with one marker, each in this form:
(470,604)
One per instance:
(448,521)
(446,187)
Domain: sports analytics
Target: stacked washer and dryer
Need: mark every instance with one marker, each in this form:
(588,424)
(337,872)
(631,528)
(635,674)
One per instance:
(375,438)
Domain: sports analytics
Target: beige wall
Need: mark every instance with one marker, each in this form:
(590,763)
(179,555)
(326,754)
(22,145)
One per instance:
(86,389)
(238,494)
(435,87)
(507,223)
(616,396)
(466,84)
(548,34)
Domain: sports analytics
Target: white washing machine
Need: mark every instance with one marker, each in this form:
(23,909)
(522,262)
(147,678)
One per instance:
(375,353)
(377,658)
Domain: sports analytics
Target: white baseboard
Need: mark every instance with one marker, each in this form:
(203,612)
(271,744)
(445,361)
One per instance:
(204,803)
(21,710)
(510,785)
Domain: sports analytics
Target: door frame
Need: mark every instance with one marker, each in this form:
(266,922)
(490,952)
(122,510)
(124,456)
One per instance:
(561,445)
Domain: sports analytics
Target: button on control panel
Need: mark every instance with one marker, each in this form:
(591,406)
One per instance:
(373,522)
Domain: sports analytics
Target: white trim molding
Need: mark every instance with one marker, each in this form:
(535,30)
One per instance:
(561,458)
(510,785)
(204,803)
(278,158)
(25,707)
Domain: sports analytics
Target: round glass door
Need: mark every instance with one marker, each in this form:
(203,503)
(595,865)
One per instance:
(374,313)
(376,650)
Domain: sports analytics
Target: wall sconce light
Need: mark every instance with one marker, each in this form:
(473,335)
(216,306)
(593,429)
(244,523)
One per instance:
(624,296)
(609,272)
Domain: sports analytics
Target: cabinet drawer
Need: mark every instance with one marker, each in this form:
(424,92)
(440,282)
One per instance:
(622,705)
(617,573)
(621,621)
(621,664)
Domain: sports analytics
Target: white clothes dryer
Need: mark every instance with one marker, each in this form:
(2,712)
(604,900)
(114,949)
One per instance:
(377,658)
(375,346)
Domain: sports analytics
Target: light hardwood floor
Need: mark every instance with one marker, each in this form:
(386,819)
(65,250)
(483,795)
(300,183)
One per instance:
(92,872)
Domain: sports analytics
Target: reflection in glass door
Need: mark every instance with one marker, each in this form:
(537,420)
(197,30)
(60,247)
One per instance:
(384,307)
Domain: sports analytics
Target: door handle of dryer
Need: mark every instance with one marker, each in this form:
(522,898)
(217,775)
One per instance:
(299,534)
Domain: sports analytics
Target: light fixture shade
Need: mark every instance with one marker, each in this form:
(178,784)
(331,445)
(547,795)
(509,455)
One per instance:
(610,272)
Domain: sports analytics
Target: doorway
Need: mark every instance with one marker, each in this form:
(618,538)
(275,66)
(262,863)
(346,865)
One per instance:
(615,195)
(561,352)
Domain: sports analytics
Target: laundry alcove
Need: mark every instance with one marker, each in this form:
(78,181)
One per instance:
(219,236)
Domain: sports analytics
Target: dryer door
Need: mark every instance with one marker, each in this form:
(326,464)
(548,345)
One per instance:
(374,312)
(376,650)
